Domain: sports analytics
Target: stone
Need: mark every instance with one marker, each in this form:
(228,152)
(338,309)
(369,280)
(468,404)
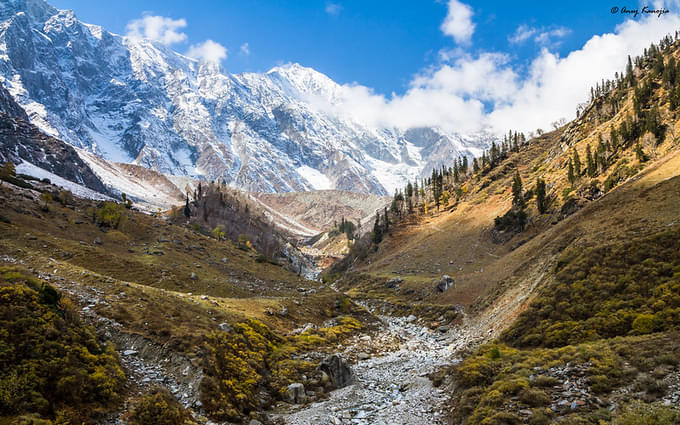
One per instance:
(129,352)
(295,393)
(254,422)
(394,282)
(444,329)
(97,241)
(224,327)
(194,276)
(363,356)
(338,370)
(445,283)
(224,260)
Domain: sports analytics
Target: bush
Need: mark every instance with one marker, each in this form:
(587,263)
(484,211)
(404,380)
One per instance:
(49,362)
(234,369)
(244,243)
(158,407)
(534,397)
(66,197)
(605,292)
(648,415)
(513,221)
(108,214)
(643,324)
(474,371)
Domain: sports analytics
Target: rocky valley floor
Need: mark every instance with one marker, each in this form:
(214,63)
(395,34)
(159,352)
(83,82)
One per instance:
(392,377)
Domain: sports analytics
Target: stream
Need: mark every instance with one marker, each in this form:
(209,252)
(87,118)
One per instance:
(391,387)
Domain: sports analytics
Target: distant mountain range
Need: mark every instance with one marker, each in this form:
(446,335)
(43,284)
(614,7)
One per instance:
(137,101)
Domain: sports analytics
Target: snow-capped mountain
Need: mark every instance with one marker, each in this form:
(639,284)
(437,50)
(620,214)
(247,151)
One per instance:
(137,101)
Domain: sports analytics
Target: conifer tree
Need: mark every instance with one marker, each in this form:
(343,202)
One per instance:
(377,230)
(614,139)
(641,156)
(592,167)
(187,210)
(386,221)
(570,173)
(577,164)
(541,200)
(630,78)
(517,196)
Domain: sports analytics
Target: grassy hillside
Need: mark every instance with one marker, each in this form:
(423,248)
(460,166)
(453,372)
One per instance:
(52,364)
(136,275)
(583,296)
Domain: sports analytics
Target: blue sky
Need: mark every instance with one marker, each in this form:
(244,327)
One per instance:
(380,44)
(462,65)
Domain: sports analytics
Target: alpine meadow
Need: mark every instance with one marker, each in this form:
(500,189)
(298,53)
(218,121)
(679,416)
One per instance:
(471,216)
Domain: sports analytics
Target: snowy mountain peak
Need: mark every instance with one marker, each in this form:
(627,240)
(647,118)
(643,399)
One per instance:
(135,100)
(36,10)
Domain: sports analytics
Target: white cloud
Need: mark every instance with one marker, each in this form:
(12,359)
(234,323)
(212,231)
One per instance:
(522,33)
(208,51)
(245,49)
(158,28)
(458,23)
(541,36)
(333,8)
(470,92)
(551,37)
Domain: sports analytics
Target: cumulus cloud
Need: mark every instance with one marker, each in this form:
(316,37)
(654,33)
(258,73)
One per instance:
(245,49)
(485,90)
(333,8)
(458,23)
(158,28)
(208,51)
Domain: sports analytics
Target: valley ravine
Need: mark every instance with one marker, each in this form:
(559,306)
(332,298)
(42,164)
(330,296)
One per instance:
(393,386)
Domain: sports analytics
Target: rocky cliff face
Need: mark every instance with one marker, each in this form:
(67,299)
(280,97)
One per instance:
(137,101)
(22,141)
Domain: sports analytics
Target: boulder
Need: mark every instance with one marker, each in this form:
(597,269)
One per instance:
(194,276)
(394,282)
(97,240)
(296,393)
(337,370)
(445,283)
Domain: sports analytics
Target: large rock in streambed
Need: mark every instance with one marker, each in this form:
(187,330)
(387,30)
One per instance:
(445,283)
(295,393)
(337,370)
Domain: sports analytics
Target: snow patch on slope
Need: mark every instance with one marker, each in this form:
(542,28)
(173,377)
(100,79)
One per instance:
(81,191)
(146,196)
(315,178)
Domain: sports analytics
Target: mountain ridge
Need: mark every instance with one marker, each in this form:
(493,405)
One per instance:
(138,101)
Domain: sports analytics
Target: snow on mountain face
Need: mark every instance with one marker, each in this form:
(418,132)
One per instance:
(138,101)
